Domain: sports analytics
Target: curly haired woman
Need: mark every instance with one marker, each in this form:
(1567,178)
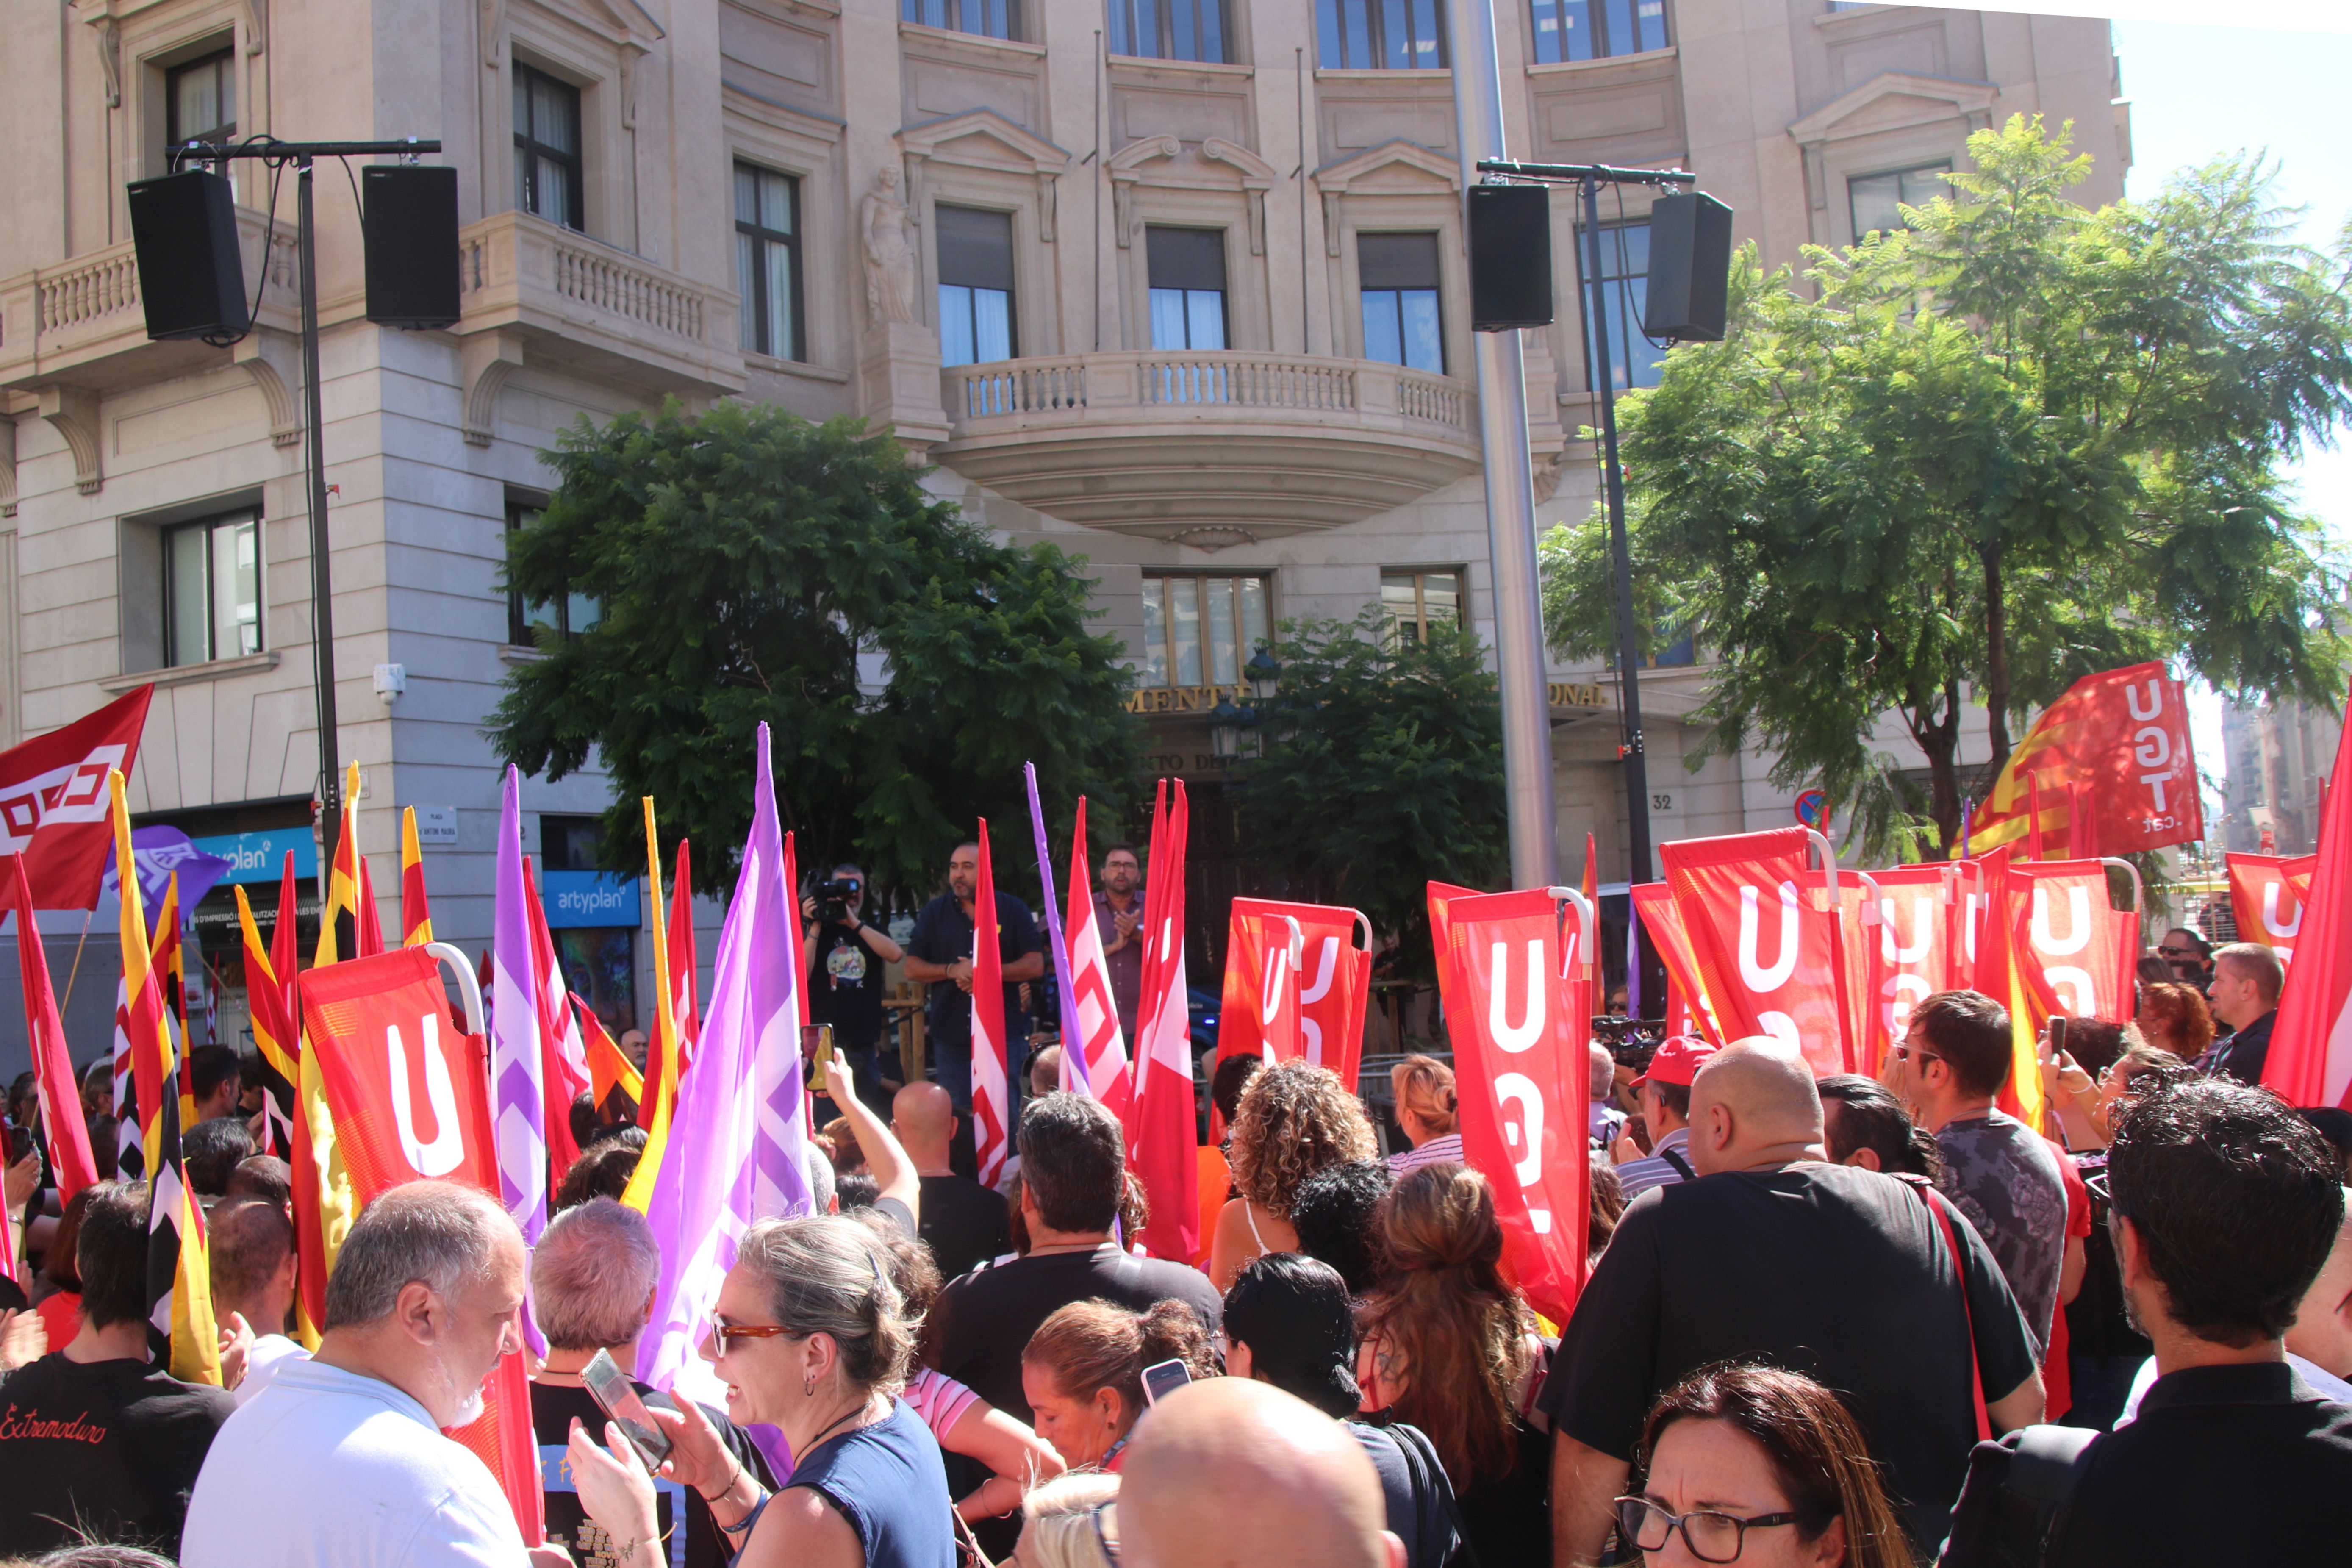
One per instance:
(1294,1120)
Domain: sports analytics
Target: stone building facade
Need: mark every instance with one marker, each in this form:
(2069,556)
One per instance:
(1176,284)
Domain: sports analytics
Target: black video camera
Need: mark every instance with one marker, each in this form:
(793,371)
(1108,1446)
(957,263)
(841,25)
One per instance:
(832,898)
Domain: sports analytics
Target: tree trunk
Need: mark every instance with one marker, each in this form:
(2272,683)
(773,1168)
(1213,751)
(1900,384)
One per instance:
(1939,743)
(1996,657)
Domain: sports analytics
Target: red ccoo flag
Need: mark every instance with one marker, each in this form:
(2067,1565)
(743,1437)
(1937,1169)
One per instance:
(2310,1060)
(990,1075)
(53,800)
(1159,1126)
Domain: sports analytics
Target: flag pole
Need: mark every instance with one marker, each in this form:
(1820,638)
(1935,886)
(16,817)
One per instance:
(1072,1073)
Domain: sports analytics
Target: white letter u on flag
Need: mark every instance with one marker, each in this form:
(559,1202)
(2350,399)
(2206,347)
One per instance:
(1531,1023)
(448,1150)
(1759,979)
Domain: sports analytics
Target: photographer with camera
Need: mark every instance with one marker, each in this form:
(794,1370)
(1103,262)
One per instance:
(843,957)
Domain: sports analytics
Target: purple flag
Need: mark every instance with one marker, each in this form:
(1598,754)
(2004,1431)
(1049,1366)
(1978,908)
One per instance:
(518,1100)
(736,1141)
(1075,1077)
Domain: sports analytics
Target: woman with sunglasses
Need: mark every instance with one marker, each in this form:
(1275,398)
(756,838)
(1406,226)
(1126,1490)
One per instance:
(1762,1467)
(809,1335)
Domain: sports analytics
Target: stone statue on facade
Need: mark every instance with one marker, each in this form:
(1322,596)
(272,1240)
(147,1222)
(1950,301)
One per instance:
(888,230)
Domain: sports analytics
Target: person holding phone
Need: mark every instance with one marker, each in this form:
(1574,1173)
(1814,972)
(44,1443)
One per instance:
(1084,1372)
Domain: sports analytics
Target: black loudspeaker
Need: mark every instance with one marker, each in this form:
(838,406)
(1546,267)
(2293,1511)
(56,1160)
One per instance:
(1510,257)
(190,277)
(412,245)
(1690,268)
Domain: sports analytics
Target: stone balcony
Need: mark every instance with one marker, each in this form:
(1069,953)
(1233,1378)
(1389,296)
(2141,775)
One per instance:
(1207,450)
(81,325)
(575,304)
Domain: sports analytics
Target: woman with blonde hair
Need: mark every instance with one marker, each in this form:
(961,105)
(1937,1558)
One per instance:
(810,1334)
(1449,1347)
(1083,1373)
(1294,1120)
(1763,1467)
(1425,1113)
(1071,1522)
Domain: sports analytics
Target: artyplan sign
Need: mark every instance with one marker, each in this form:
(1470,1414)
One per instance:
(260,857)
(591,898)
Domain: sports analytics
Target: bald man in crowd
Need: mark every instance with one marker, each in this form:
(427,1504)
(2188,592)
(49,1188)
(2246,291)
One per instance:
(963,1223)
(1772,1253)
(1231,1473)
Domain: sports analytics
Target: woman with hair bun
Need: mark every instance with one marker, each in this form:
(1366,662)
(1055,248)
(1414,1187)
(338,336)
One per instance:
(1083,1373)
(1295,1119)
(1764,1468)
(810,1334)
(1426,1114)
(1450,1348)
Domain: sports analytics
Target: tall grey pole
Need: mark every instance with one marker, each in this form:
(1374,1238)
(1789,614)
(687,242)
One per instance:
(1628,662)
(322,595)
(1510,494)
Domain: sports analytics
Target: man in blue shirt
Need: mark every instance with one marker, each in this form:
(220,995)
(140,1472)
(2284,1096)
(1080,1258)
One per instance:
(940,956)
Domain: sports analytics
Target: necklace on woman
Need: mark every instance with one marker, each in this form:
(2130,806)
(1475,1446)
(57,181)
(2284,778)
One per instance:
(827,1430)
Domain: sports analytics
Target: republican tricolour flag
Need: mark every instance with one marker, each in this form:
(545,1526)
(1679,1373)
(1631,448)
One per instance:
(991,1076)
(2310,1061)
(1160,1111)
(735,1146)
(1096,1026)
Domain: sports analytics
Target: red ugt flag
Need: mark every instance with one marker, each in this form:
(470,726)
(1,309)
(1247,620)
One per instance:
(1765,939)
(2116,747)
(411,1101)
(53,800)
(1520,1032)
(2311,1044)
(2268,893)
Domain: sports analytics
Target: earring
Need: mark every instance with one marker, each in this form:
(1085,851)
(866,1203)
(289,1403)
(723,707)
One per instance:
(808,1387)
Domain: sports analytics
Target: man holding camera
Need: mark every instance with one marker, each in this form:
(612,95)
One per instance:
(843,958)
(940,956)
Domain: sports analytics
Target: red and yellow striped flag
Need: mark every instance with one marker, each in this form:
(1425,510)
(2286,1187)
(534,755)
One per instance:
(416,912)
(661,1051)
(179,1273)
(343,876)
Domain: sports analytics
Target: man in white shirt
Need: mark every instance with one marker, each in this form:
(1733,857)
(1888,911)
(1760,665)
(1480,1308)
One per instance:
(1665,1090)
(340,1462)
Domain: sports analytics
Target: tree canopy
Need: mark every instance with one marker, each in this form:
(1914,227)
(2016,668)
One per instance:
(1974,461)
(1383,767)
(751,566)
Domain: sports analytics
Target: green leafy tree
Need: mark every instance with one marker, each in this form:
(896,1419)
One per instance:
(746,561)
(1383,767)
(2018,444)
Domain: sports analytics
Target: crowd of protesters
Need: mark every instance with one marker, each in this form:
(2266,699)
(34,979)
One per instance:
(1875,1321)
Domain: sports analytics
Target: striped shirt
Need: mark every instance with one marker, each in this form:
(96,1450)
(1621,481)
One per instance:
(1443,1150)
(1638,1176)
(940,1400)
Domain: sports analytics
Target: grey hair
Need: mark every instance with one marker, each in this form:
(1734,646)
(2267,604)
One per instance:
(822,1185)
(826,1275)
(591,1276)
(1057,1520)
(1603,1070)
(430,1233)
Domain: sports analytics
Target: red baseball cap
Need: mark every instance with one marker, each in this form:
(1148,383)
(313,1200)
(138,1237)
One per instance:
(1678,1060)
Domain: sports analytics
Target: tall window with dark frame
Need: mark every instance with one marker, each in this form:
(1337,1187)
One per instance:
(1596,29)
(1413,602)
(1877,201)
(1201,631)
(573,615)
(768,260)
(1379,35)
(1633,358)
(1396,277)
(548,182)
(200,100)
(989,19)
(1170,29)
(975,258)
(212,589)
(1187,268)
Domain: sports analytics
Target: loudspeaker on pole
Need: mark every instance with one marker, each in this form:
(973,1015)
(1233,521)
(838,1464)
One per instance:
(1690,268)
(412,245)
(190,276)
(1510,257)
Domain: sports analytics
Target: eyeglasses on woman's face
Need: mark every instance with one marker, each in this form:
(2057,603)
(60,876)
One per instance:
(1711,1535)
(722,1335)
